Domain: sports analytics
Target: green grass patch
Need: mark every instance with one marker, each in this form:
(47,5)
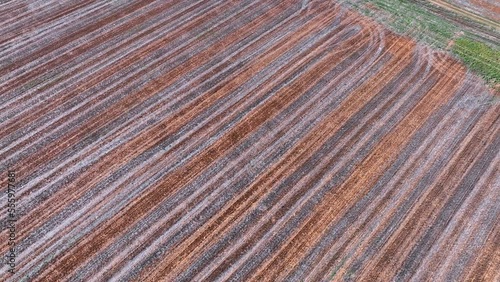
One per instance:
(479,57)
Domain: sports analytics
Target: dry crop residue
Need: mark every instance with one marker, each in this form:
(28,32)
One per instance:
(241,140)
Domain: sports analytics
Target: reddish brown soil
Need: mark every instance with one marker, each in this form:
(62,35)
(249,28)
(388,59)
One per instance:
(228,140)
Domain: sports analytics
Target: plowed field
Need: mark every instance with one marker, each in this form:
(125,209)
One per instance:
(240,140)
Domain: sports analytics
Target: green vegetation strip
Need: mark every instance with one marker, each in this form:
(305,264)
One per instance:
(479,57)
